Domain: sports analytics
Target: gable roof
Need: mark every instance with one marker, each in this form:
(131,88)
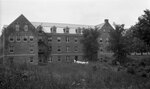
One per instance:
(21,20)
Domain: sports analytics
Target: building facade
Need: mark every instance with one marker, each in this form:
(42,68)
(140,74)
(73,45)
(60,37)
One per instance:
(37,42)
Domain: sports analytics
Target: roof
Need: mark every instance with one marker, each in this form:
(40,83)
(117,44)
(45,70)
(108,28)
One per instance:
(100,25)
(61,25)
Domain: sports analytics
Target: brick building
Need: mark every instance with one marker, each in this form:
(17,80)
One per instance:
(37,42)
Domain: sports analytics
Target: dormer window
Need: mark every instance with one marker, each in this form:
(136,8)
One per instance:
(66,30)
(17,27)
(26,28)
(78,30)
(53,29)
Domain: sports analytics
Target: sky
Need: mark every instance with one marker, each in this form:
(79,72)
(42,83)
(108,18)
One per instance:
(88,12)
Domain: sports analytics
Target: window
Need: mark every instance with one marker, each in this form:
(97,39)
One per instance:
(11,60)
(58,39)
(67,48)
(59,58)
(26,28)
(76,40)
(11,49)
(50,59)
(11,39)
(78,30)
(25,39)
(50,48)
(67,58)
(67,30)
(31,38)
(59,48)
(100,40)
(40,38)
(31,59)
(53,29)
(101,50)
(67,39)
(40,50)
(17,27)
(50,39)
(76,48)
(31,48)
(18,39)
(107,40)
(104,30)
(76,58)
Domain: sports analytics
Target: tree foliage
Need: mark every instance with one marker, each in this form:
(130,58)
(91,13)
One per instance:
(118,43)
(143,27)
(90,43)
(134,43)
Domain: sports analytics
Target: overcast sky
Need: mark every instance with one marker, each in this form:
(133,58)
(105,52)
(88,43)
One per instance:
(90,12)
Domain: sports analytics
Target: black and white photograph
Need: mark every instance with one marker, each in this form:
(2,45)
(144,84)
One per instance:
(74,44)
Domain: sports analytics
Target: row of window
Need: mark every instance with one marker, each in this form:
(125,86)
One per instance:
(65,30)
(12,48)
(67,49)
(67,58)
(11,60)
(21,38)
(59,39)
(17,27)
(101,40)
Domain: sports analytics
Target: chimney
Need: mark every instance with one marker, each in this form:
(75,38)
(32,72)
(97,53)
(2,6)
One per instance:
(106,20)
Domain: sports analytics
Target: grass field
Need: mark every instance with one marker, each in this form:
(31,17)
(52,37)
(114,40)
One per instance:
(69,76)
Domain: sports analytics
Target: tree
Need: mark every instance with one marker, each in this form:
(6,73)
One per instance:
(90,43)
(134,43)
(117,43)
(143,27)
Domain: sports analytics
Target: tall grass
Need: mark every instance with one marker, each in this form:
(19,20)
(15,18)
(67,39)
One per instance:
(68,76)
